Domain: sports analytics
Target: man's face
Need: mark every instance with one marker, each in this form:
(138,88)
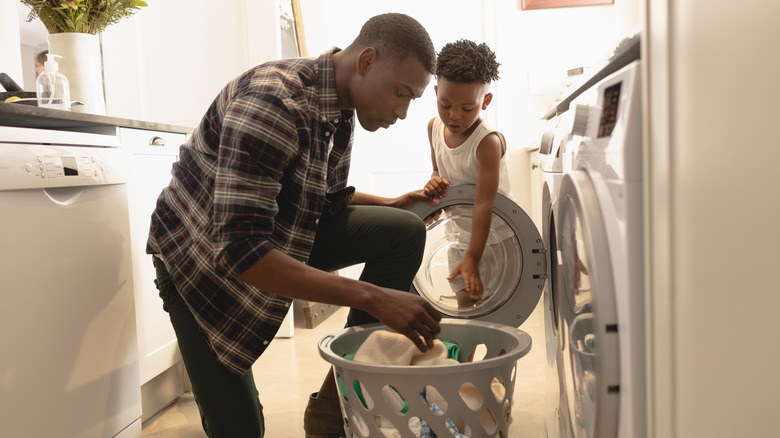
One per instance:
(384,87)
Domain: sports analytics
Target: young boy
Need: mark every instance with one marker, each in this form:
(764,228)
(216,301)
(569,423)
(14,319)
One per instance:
(466,151)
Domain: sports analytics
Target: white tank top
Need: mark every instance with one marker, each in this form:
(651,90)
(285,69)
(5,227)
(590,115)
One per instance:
(460,165)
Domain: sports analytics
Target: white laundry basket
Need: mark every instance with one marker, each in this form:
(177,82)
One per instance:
(473,396)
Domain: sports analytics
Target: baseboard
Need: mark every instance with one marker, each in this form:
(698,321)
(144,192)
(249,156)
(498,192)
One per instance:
(162,390)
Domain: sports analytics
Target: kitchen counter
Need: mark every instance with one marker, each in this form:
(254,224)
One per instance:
(28,116)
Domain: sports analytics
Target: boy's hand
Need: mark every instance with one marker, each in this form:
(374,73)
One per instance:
(468,269)
(436,187)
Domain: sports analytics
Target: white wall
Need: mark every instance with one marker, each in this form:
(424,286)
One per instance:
(167,63)
(537,47)
(10,41)
(32,39)
(714,238)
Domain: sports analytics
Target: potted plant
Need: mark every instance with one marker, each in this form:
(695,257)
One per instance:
(73,27)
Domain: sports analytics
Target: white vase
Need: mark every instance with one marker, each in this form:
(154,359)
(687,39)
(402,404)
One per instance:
(82,64)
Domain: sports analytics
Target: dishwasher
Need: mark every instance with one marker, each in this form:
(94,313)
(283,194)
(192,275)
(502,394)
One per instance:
(68,340)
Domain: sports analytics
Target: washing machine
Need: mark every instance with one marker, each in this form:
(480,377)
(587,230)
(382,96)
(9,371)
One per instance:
(558,147)
(551,148)
(598,293)
(513,268)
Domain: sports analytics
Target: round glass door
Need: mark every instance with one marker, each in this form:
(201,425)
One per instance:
(449,234)
(512,268)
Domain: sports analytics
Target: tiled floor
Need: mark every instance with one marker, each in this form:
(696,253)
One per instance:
(292,368)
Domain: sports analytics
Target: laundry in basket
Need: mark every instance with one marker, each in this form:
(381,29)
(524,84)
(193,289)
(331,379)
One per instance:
(384,347)
(449,398)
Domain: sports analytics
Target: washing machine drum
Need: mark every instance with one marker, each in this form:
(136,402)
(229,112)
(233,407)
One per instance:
(513,266)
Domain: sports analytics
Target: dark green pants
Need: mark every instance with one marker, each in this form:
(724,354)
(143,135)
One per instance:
(389,241)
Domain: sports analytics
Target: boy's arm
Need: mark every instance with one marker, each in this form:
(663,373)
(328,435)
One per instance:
(489,154)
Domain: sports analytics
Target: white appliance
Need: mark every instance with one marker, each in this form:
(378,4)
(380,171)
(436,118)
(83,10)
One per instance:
(600,253)
(550,149)
(559,145)
(69,361)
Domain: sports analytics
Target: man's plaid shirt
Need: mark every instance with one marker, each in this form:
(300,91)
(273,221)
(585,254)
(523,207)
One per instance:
(256,174)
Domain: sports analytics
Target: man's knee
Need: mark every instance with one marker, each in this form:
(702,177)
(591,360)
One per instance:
(414,225)
(407,232)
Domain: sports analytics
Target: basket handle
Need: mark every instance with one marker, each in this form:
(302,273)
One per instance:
(326,341)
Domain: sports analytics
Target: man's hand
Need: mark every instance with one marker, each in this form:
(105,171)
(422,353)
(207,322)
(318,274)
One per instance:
(404,202)
(407,314)
(407,200)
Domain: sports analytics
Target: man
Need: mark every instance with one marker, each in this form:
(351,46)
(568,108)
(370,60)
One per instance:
(258,210)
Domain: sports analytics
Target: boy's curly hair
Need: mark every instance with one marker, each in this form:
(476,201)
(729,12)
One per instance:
(467,62)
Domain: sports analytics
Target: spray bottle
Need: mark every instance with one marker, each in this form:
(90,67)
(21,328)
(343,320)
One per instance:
(52,87)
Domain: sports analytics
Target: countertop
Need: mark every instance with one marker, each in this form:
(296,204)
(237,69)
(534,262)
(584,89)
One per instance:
(28,116)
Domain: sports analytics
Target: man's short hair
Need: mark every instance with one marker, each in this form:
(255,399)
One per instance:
(398,36)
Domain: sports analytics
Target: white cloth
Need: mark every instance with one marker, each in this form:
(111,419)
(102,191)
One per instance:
(459,165)
(387,348)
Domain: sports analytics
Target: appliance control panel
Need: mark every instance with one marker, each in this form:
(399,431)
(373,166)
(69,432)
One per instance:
(27,166)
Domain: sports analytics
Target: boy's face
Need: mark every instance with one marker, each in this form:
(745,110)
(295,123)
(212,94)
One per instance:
(460,104)
(384,87)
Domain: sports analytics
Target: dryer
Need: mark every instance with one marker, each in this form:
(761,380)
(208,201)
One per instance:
(564,141)
(600,250)
(550,150)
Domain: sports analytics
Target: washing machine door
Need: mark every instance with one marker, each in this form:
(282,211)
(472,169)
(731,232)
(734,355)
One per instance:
(590,378)
(549,234)
(513,267)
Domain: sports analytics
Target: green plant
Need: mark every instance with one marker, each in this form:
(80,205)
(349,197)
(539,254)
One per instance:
(85,16)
